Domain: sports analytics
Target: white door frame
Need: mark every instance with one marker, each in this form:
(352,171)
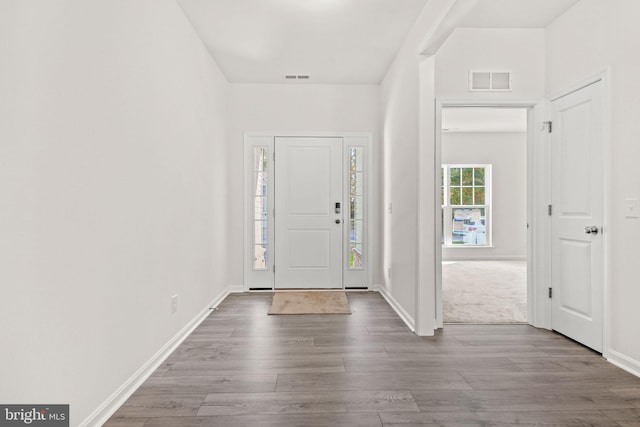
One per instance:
(538,199)
(263,279)
(538,191)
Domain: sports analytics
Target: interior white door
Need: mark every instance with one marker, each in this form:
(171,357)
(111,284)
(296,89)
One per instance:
(308,223)
(577,262)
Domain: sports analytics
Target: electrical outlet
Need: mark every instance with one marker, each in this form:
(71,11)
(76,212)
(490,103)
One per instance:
(174,303)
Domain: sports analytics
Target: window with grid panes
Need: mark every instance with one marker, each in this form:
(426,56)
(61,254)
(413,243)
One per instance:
(466,206)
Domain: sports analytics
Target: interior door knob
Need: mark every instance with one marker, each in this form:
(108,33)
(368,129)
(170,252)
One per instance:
(592,229)
(338,221)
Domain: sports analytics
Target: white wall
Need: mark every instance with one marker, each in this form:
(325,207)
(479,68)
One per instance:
(407,136)
(112,174)
(290,108)
(507,153)
(593,36)
(521,51)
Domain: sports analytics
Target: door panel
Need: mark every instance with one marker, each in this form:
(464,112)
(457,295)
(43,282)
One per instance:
(577,263)
(308,240)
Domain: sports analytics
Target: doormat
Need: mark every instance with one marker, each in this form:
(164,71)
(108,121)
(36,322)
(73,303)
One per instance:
(314,302)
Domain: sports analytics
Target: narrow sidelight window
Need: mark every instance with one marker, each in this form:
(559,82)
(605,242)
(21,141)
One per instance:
(261,194)
(356,208)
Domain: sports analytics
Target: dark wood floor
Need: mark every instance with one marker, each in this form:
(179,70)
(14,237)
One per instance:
(242,367)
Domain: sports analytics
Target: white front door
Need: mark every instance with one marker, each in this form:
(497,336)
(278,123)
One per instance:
(577,258)
(308,213)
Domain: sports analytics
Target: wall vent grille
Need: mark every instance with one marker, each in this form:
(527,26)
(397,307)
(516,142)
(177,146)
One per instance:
(489,81)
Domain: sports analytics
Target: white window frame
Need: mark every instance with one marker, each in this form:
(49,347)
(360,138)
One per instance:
(447,208)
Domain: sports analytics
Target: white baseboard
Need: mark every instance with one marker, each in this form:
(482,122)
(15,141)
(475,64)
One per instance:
(411,323)
(111,405)
(235,289)
(484,258)
(625,362)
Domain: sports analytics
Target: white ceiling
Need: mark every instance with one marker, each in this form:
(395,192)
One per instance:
(515,13)
(481,119)
(333,41)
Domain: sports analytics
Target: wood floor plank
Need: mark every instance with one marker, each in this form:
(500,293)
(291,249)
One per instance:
(362,419)
(499,419)
(168,385)
(257,367)
(432,363)
(372,381)
(336,352)
(126,422)
(551,399)
(140,405)
(544,379)
(307,402)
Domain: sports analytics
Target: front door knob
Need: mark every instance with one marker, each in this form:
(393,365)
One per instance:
(592,229)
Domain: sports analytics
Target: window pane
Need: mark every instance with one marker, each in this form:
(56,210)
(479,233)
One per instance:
(355,256)
(478,176)
(467,176)
(454,176)
(356,206)
(469,227)
(260,257)
(356,186)
(454,198)
(479,197)
(442,183)
(467,196)
(260,203)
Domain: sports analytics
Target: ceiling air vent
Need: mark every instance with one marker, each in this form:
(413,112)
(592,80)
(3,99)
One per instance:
(489,81)
(297,77)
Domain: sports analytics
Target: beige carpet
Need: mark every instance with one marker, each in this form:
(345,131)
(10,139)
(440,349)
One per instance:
(484,292)
(312,302)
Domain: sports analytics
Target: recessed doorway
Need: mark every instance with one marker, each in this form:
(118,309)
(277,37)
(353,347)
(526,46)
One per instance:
(307,211)
(484,215)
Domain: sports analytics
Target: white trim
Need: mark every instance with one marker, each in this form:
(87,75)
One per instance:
(568,90)
(624,362)
(235,289)
(486,258)
(406,318)
(117,399)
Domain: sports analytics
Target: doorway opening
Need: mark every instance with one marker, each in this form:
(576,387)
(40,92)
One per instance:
(484,211)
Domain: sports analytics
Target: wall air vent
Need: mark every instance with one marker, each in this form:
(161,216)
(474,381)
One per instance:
(489,81)
(297,77)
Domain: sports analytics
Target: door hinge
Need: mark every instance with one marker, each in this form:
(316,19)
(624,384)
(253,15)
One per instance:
(550,292)
(548,125)
(274,156)
(550,210)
